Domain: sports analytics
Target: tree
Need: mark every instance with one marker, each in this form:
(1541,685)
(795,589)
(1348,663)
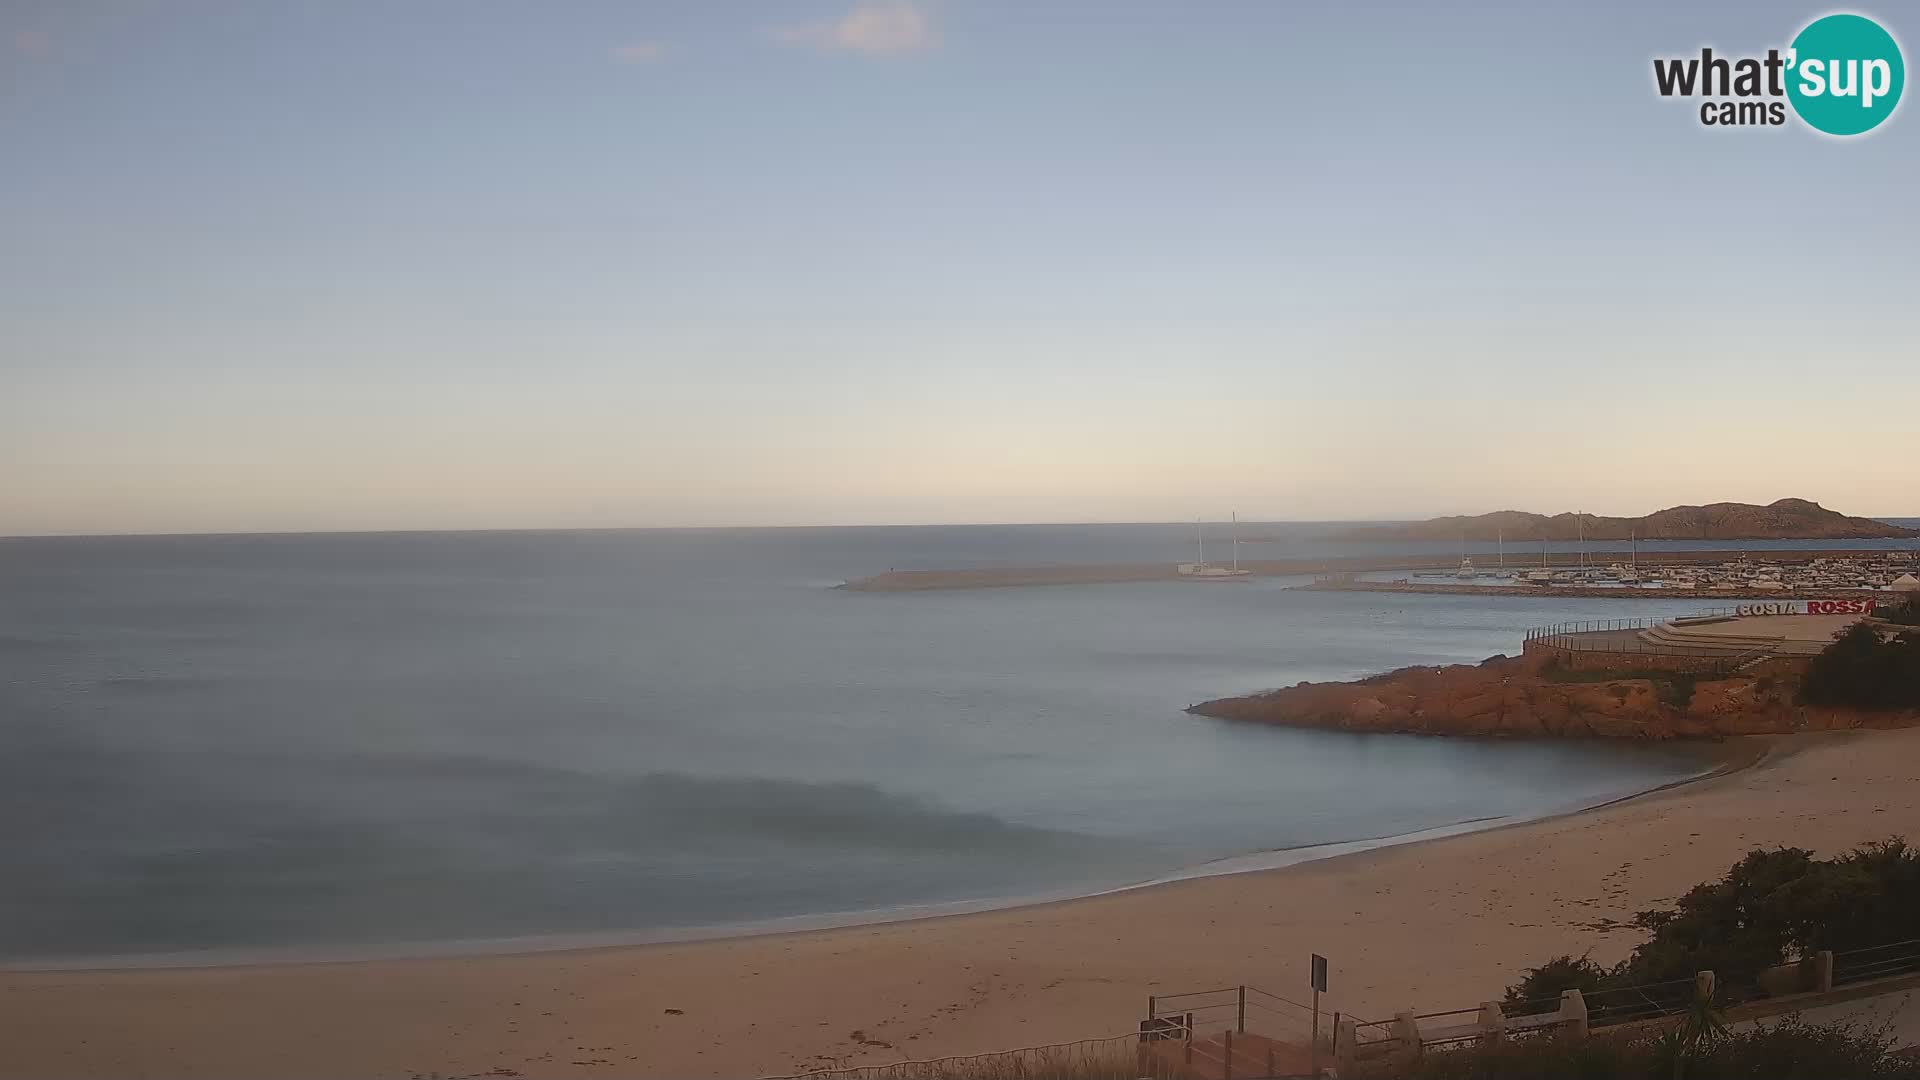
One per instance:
(1863,669)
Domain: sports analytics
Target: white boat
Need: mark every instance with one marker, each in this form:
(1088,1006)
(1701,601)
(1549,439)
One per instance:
(1500,542)
(1542,576)
(1465,573)
(1205,571)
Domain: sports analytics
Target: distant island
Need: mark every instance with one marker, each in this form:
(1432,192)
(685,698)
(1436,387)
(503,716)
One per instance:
(1787,519)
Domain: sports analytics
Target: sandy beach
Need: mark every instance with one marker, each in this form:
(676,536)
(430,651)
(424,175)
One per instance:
(1439,924)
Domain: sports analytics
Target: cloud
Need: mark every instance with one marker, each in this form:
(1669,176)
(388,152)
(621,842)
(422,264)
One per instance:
(639,52)
(873,27)
(30,41)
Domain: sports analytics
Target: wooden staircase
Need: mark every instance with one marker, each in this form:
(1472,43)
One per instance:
(1232,1056)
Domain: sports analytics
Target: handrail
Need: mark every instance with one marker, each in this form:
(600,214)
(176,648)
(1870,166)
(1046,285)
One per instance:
(1878,966)
(1277,997)
(1162,1011)
(1877,948)
(1198,993)
(1450,1012)
(1682,981)
(1277,1015)
(1641,1006)
(885,1067)
(1897,964)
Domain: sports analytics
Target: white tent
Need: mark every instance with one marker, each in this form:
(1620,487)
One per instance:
(1906,583)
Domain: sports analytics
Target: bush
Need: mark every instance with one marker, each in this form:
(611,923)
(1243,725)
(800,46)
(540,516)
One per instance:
(1555,977)
(1675,690)
(1789,1049)
(1794,1049)
(1770,906)
(1862,669)
(1671,687)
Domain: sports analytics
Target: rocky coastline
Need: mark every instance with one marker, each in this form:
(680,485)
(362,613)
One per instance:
(1523,697)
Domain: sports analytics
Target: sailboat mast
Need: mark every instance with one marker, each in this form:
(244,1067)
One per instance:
(1200,533)
(1236,539)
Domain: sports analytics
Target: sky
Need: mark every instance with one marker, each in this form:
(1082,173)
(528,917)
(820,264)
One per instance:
(490,264)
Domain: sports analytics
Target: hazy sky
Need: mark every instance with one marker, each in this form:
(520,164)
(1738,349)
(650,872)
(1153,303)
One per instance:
(271,265)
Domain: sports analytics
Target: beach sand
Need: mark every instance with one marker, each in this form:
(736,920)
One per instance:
(1435,925)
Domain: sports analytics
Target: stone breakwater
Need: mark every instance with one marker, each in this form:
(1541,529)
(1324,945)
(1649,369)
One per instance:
(1528,697)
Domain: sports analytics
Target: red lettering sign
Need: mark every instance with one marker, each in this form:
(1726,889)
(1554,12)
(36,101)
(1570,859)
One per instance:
(1840,607)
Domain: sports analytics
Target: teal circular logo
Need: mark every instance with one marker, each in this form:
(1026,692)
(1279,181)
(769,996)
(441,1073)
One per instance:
(1845,74)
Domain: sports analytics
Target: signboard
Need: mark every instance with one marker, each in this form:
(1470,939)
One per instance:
(1319,973)
(1840,607)
(1807,607)
(1166,1028)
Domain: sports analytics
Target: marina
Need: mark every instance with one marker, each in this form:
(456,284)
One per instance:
(1785,573)
(1812,575)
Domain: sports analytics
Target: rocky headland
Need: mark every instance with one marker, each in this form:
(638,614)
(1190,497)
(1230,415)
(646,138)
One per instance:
(1785,519)
(1528,697)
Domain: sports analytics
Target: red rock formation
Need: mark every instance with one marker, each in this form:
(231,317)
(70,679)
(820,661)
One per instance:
(1518,697)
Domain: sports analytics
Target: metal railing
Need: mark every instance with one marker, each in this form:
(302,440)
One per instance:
(1203,1008)
(1232,1010)
(1230,1007)
(1590,626)
(1110,1056)
(1876,962)
(1622,637)
(1465,1027)
(1234,1030)
(1373,1038)
(1646,1001)
(1530,1007)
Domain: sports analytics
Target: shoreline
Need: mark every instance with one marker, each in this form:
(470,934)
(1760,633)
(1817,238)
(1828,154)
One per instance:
(991,577)
(1596,592)
(1441,923)
(1753,750)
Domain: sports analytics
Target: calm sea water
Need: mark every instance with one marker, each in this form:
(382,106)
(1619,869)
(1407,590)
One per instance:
(397,740)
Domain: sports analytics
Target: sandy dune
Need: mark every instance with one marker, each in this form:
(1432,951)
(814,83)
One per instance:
(1438,924)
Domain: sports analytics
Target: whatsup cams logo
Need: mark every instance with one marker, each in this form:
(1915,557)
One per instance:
(1842,75)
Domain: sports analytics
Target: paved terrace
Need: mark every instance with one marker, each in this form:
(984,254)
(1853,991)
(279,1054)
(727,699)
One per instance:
(1786,635)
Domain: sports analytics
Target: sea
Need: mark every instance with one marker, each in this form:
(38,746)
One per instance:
(220,749)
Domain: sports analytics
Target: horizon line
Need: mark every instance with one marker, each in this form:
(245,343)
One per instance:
(423,531)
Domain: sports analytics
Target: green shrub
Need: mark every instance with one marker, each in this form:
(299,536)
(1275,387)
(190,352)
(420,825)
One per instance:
(1555,977)
(1770,906)
(1864,670)
(1789,1050)
(1675,690)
